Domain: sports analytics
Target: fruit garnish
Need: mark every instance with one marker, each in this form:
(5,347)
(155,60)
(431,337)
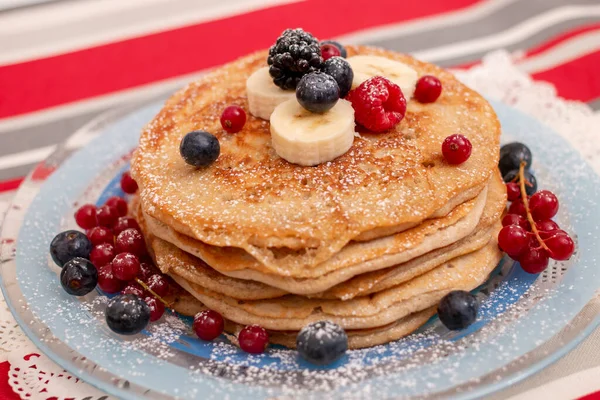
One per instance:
(128,184)
(133,288)
(322,342)
(534,260)
(78,276)
(125,223)
(157,284)
(561,245)
(294,54)
(513,192)
(199,148)
(85,216)
(515,219)
(511,156)
(342,49)
(69,244)
(102,254)
(208,325)
(456,149)
(107,281)
(107,216)
(546,227)
(317,92)
(253,339)
(428,89)
(329,50)
(513,240)
(127,314)
(157,309)
(530,181)
(543,205)
(100,234)
(458,310)
(119,204)
(341,71)
(131,241)
(263,96)
(379,104)
(366,67)
(126,266)
(146,271)
(517,207)
(233,119)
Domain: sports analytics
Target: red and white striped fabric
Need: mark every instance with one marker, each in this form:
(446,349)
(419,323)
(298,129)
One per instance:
(64,63)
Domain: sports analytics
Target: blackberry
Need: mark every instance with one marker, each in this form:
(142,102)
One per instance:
(295,54)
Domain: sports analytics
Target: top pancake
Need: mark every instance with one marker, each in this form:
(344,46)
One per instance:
(252,199)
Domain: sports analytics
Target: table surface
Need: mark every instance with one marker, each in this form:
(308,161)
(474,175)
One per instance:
(63,63)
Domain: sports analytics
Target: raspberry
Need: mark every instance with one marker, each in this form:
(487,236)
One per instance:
(379,105)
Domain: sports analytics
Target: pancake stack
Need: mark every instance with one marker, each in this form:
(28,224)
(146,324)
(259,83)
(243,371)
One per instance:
(371,240)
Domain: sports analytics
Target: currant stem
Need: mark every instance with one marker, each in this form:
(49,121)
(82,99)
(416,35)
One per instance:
(168,305)
(534,228)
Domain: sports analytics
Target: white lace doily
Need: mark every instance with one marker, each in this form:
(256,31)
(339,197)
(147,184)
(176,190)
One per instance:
(34,376)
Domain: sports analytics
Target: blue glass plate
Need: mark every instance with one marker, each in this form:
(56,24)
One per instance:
(526,321)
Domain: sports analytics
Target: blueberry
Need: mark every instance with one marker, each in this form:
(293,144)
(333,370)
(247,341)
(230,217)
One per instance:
(342,49)
(511,156)
(79,276)
(530,185)
(199,148)
(341,71)
(127,314)
(69,244)
(458,310)
(322,342)
(317,92)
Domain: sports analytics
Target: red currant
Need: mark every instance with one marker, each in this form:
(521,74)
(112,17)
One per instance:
(158,284)
(102,254)
(515,219)
(85,216)
(513,240)
(513,192)
(208,324)
(253,339)
(561,245)
(456,149)
(100,234)
(517,207)
(157,309)
(131,241)
(133,288)
(125,223)
(126,266)
(329,50)
(128,184)
(119,204)
(543,205)
(233,119)
(546,228)
(107,280)
(107,216)
(428,89)
(146,271)
(534,260)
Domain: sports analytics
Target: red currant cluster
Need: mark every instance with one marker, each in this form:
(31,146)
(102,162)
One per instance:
(529,235)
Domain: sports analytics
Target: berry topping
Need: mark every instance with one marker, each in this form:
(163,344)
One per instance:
(199,148)
(134,288)
(329,50)
(233,119)
(458,310)
(102,254)
(530,181)
(157,309)
(511,156)
(543,205)
(561,245)
(317,92)
(131,241)
(513,240)
(107,281)
(456,149)
(69,244)
(100,234)
(158,284)
(546,228)
(517,207)
(119,204)
(208,324)
(534,260)
(127,314)
(295,54)
(322,342)
(107,216)
(342,49)
(515,219)
(428,89)
(253,339)
(128,184)
(146,271)
(85,216)
(126,266)
(125,223)
(513,192)
(341,71)
(78,276)
(379,104)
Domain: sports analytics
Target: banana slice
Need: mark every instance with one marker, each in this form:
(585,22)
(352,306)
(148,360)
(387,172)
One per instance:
(366,67)
(306,138)
(264,95)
